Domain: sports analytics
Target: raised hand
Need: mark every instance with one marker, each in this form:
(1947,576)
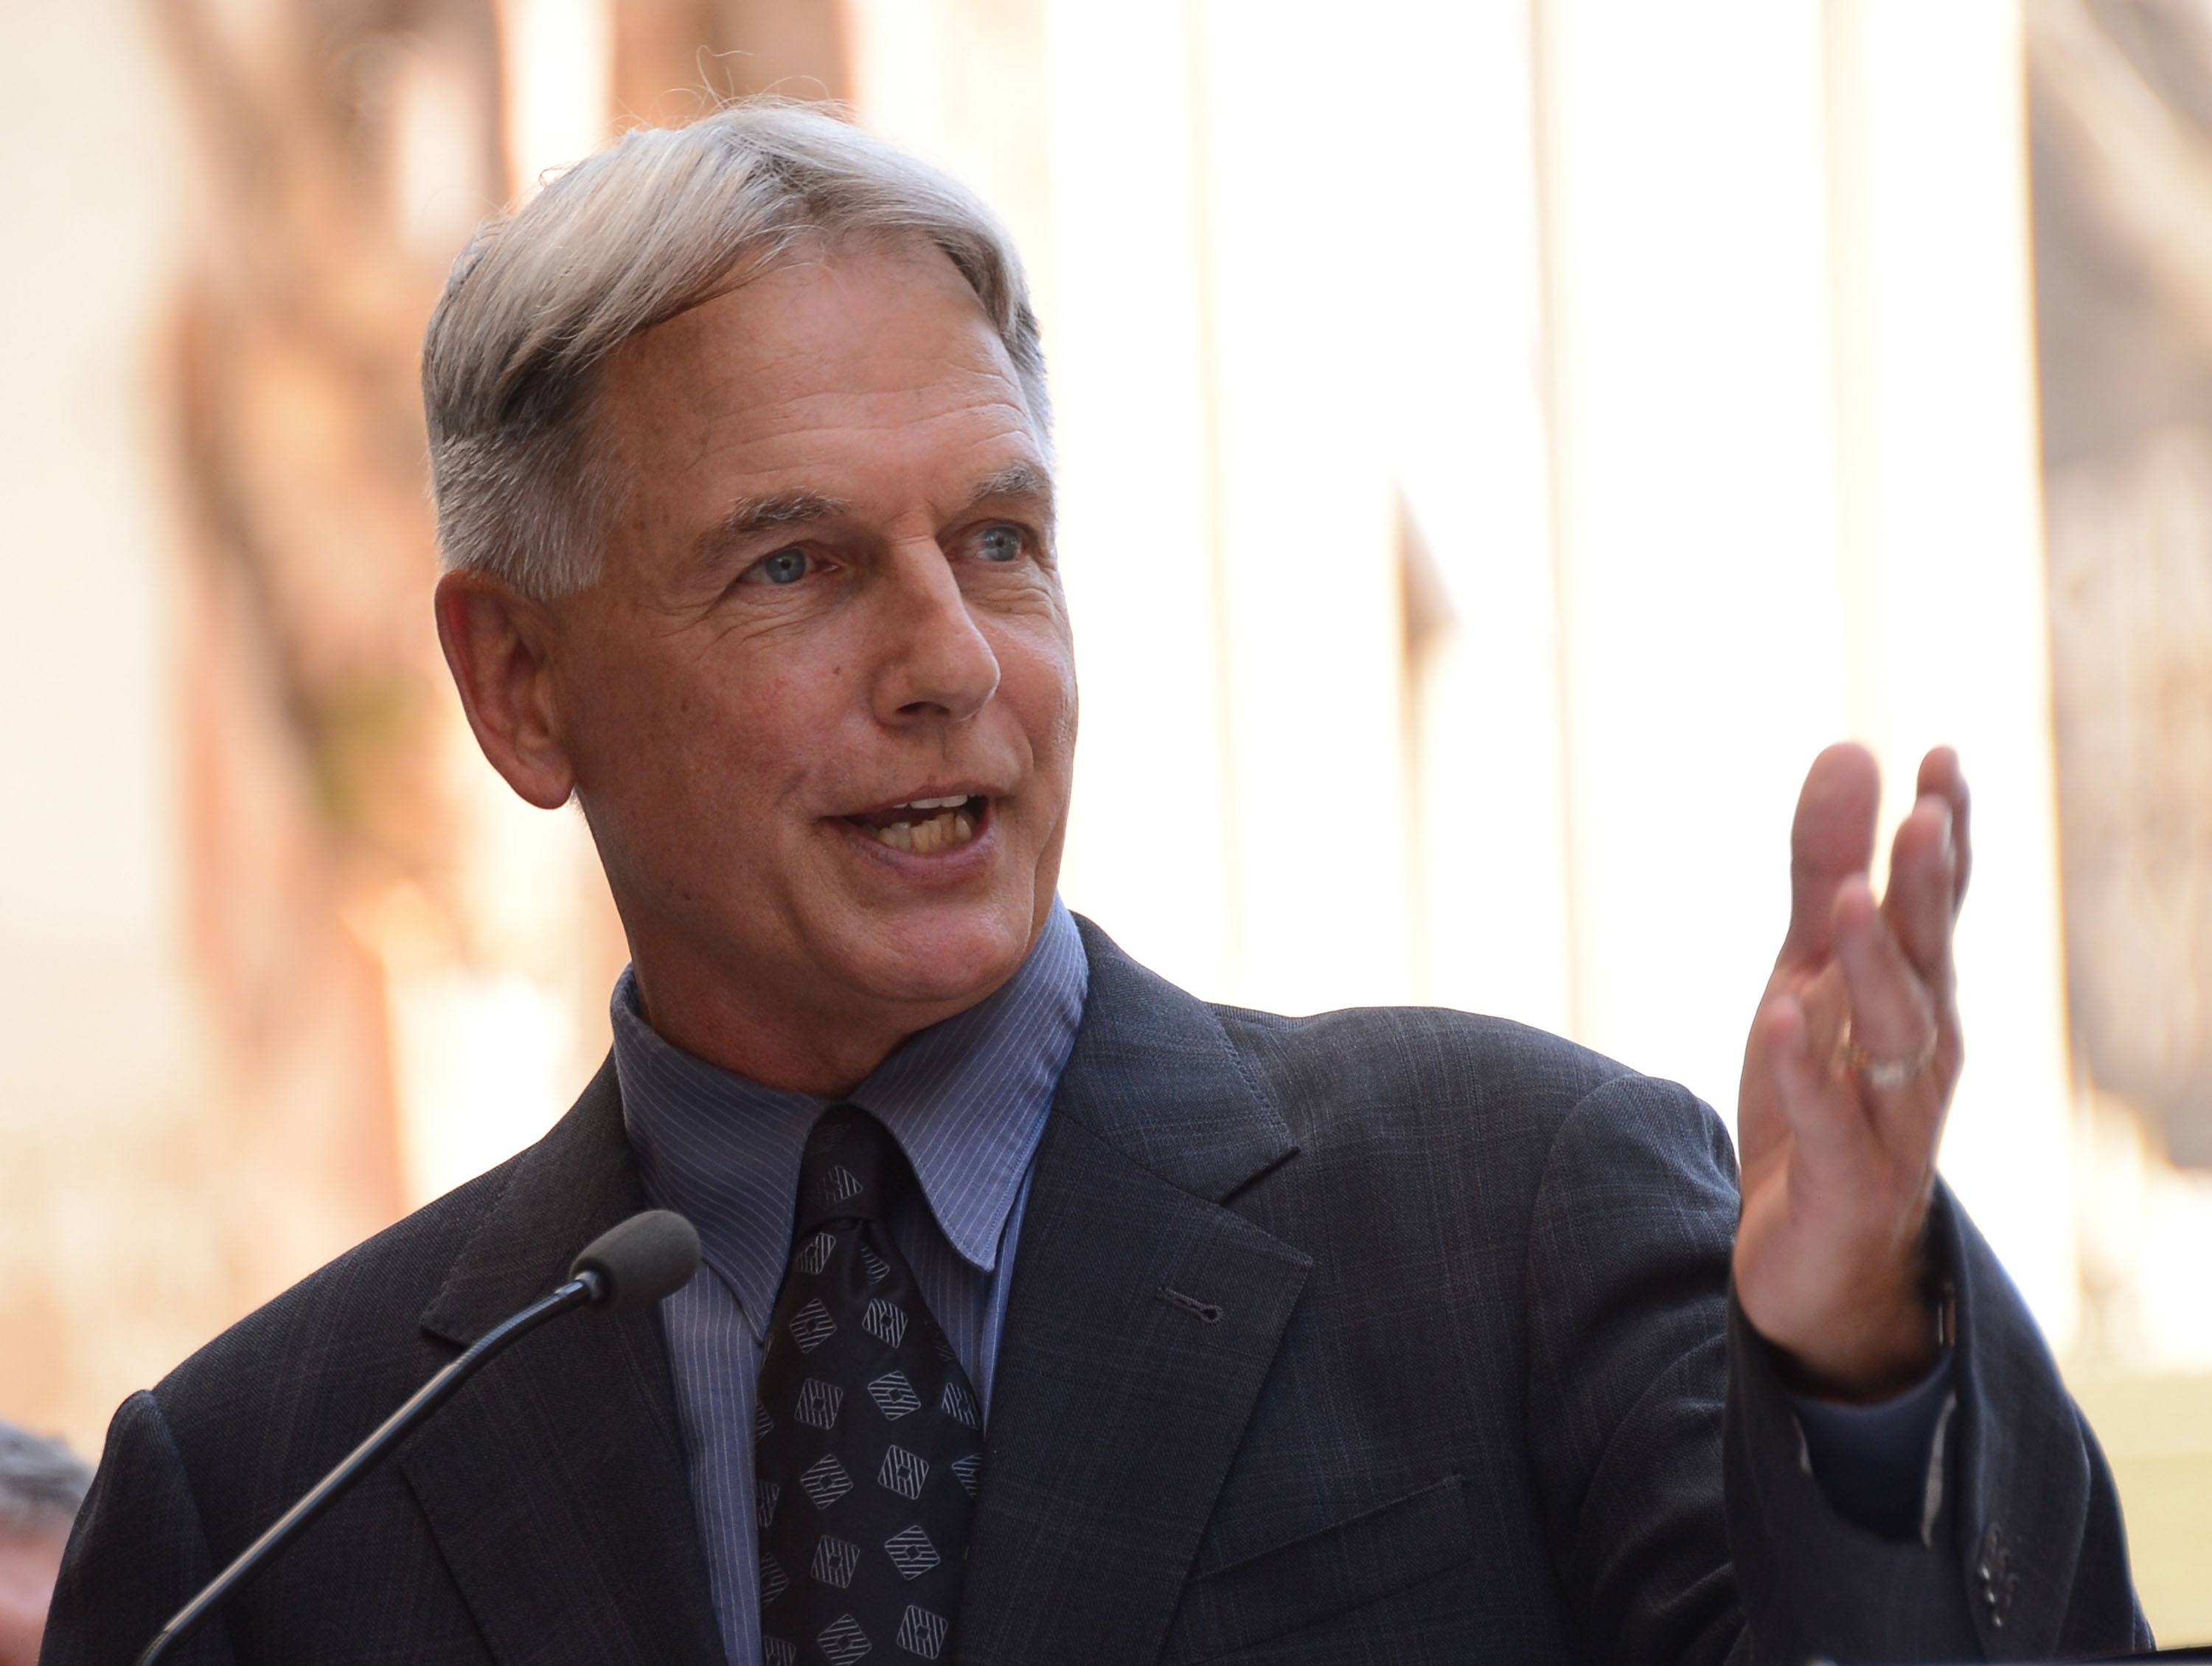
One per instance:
(1846,1079)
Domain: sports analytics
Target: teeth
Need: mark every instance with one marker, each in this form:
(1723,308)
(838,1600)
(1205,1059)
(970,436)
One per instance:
(937,832)
(935,804)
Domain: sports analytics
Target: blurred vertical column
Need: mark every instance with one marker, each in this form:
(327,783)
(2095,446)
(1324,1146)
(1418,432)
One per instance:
(2122,170)
(1692,455)
(557,60)
(111,1136)
(1445,234)
(1296,349)
(1793,456)
(1129,331)
(1946,595)
(1305,521)
(497,991)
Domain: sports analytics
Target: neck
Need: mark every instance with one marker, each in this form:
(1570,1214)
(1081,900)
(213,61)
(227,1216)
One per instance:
(825,1054)
(796,1029)
(778,1039)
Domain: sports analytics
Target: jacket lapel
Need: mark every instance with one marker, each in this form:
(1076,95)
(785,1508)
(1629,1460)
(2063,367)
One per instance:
(555,1482)
(1143,1322)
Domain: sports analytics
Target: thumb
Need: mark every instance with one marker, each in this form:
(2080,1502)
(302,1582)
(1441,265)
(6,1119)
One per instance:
(1824,1120)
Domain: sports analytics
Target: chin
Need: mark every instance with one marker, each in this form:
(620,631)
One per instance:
(951,959)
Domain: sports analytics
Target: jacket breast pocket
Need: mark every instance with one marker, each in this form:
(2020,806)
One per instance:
(1371,1556)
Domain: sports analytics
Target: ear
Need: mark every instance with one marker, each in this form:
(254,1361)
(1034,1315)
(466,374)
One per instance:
(497,643)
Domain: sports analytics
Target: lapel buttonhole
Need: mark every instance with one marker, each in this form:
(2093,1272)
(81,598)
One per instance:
(1207,1312)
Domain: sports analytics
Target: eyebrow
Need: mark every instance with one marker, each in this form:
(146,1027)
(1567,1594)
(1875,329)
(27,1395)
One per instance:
(1015,480)
(748,517)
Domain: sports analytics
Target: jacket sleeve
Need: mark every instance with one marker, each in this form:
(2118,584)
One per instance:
(136,1556)
(1685,1519)
(2022,1554)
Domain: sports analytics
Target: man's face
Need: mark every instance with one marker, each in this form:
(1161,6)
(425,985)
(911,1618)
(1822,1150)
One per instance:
(821,709)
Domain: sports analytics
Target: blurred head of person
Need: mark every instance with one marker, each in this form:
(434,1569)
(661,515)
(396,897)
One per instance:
(42,1483)
(741,451)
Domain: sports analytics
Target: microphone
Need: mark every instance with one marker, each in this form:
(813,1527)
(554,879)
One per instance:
(647,1257)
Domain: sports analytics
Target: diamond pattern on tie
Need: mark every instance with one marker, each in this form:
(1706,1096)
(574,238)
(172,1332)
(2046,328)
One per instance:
(894,1395)
(854,1359)
(843,1640)
(834,1560)
(811,1326)
(885,1321)
(839,1185)
(970,1471)
(911,1553)
(921,1633)
(825,1482)
(903,1472)
(817,1403)
(779,1651)
(959,1404)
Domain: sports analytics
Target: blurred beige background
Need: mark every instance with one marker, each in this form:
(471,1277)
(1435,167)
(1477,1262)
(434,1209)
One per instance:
(1502,441)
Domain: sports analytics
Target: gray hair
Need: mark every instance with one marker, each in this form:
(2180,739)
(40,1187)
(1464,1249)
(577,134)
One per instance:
(42,1483)
(655,224)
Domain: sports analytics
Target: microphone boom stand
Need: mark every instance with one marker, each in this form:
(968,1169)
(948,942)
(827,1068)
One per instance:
(581,1291)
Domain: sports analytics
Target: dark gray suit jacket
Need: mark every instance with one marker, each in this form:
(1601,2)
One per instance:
(1386,1335)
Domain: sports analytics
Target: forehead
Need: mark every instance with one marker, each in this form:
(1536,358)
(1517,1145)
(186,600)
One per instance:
(887,351)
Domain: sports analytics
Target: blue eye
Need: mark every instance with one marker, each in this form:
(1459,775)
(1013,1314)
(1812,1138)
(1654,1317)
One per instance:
(1000,544)
(784,567)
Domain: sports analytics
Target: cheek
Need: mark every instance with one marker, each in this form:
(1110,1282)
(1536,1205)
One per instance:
(1041,687)
(676,741)
(1036,672)
(780,729)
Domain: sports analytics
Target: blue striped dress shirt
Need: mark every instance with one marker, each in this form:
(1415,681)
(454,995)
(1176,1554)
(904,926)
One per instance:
(966,1100)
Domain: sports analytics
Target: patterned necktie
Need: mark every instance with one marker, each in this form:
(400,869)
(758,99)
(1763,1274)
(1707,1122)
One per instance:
(868,1436)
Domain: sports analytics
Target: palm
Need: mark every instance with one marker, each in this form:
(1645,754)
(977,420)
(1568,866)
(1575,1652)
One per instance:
(1838,1170)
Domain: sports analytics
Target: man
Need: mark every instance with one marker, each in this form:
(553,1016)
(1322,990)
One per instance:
(1050,1315)
(42,1483)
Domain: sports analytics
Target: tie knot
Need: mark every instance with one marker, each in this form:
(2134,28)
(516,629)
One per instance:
(851,1169)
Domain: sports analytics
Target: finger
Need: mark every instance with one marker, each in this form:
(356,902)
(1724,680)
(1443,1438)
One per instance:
(1826,1002)
(1824,1122)
(1892,1015)
(1942,775)
(1919,903)
(1831,840)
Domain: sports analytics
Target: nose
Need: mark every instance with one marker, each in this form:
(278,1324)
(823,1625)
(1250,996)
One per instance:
(937,666)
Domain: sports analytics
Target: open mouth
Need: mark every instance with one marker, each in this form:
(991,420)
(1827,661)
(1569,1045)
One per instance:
(923,825)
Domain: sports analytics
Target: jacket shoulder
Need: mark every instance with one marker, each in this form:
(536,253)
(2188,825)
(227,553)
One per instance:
(1435,1067)
(1370,1094)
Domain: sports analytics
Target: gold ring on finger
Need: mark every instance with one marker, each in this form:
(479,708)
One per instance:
(1885,1073)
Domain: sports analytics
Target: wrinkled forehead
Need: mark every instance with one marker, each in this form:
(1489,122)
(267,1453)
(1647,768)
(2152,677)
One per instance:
(872,380)
(876,333)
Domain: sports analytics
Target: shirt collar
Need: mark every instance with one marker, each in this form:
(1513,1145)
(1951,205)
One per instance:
(966,1099)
